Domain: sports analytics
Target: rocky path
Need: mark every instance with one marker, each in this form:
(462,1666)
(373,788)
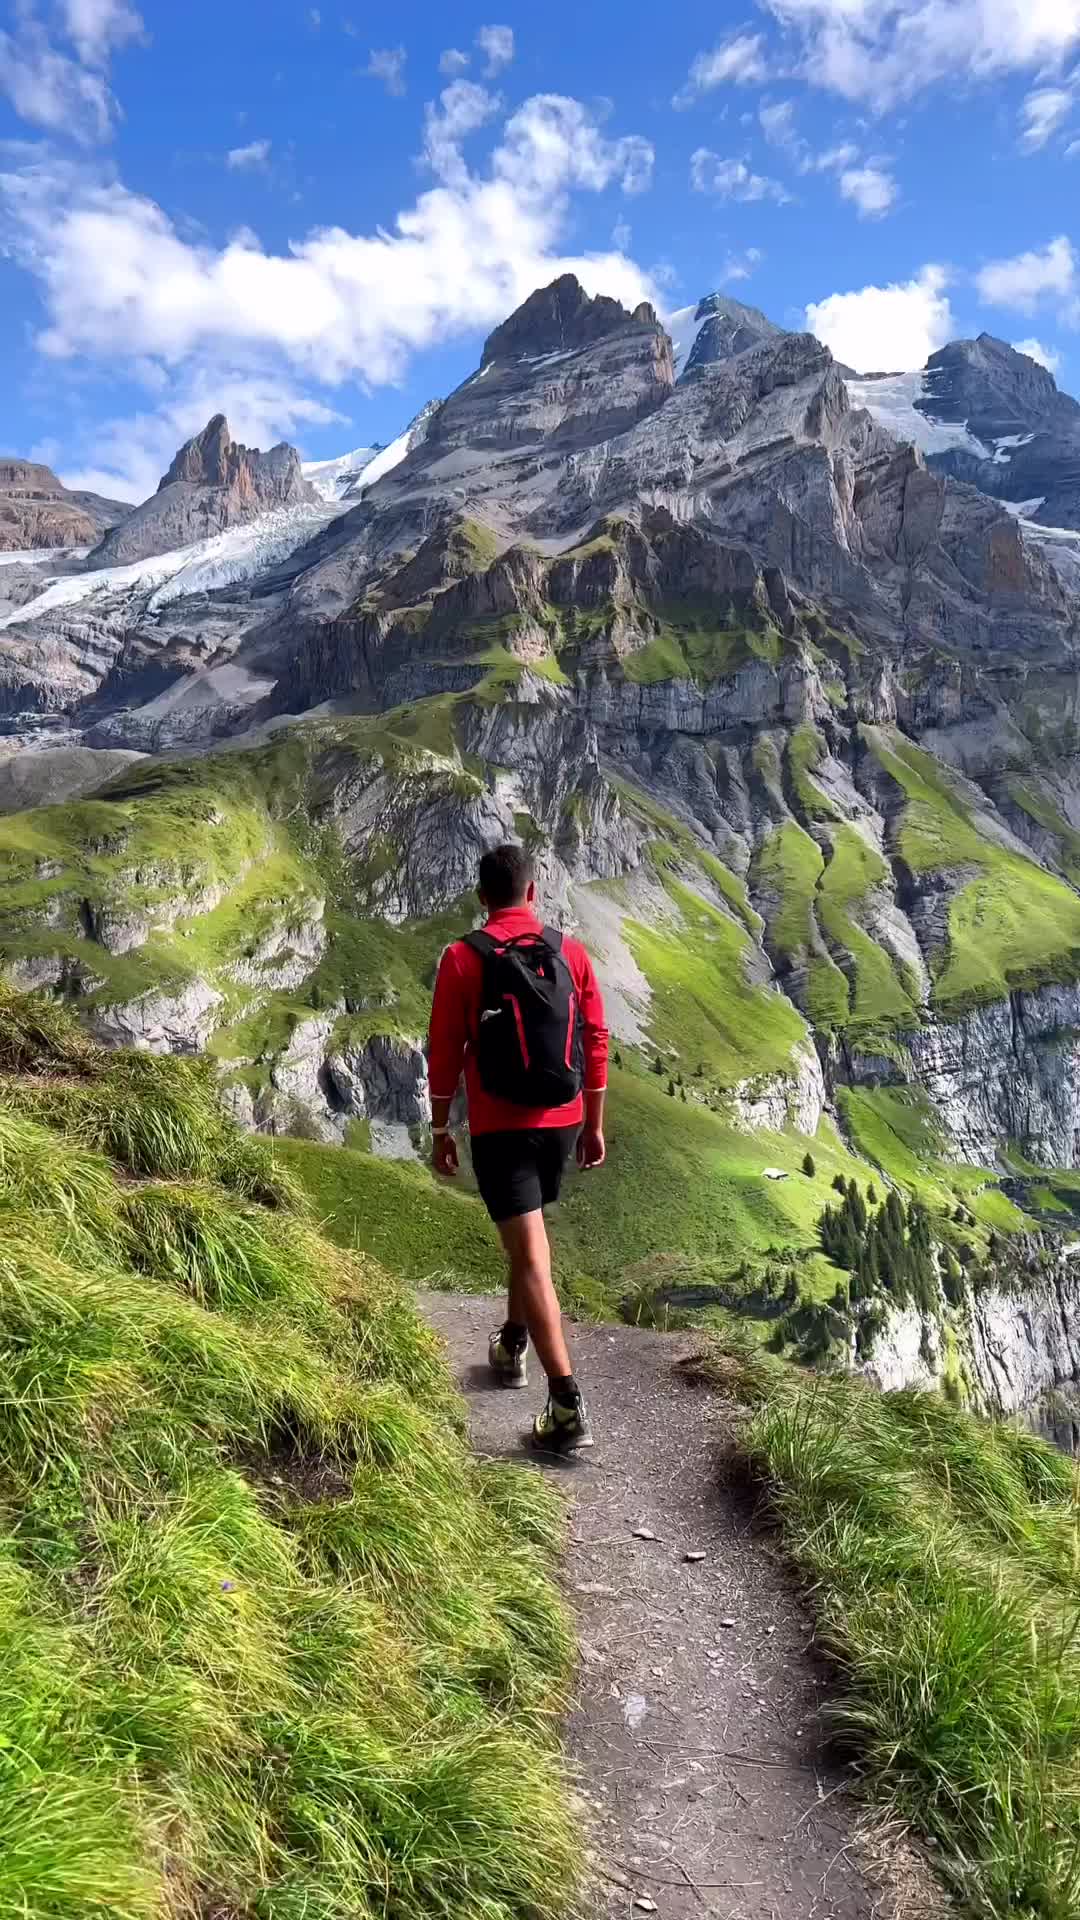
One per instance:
(695,1732)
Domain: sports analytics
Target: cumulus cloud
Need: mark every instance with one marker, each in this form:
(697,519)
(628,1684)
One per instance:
(497,46)
(452,62)
(252,159)
(388,65)
(886,329)
(737,61)
(777,122)
(871,189)
(1047,357)
(1028,278)
(66,92)
(732,179)
(883,51)
(120,281)
(1042,114)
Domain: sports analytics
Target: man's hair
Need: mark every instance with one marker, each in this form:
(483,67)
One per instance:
(506,874)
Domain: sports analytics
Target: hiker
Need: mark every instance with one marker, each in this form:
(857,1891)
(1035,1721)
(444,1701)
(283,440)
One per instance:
(519,1005)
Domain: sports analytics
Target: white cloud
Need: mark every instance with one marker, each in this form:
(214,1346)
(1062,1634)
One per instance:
(738,61)
(739,266)
(1047,357)
(388,65)
(777,120)
(66,93)
(1072,149)
(120,281)
(452,62)
(95,27)
(252,158)
(497,46)
(622,235)
(833,160)
(1029,277)
(314,18)
(732,179)
(886,329)
(871,188)
(463,106)
(1043,112)
(883,51)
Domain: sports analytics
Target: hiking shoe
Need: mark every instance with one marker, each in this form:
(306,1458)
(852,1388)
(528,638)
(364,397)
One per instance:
(561,1428)
(510,1368)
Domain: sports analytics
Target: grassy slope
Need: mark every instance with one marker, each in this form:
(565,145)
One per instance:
(1012,924)
(271,1643)
(678,1179)
(942,1555)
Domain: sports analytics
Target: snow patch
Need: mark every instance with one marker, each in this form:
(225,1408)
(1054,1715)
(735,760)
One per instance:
(38,556)
(682,327)
(892,399)
(333,478)
(1023,509)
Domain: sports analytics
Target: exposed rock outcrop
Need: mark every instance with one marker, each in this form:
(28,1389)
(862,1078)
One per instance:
(37,511)
(213,483)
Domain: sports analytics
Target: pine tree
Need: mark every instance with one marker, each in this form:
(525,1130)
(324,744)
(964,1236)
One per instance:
(671,1089)
(839,1183)
(657,1066)
(871,1195)
(808,1166)
(617,1057)
(682,1094)
(699,1070)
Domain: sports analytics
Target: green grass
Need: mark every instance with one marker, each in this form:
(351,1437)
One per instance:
(941,1554)
(698,641)
(895,1128)
(789,866)
(1011,925)
(271,1642)
(703,1006)
(882,993)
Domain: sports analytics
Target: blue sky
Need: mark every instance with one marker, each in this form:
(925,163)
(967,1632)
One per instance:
(309,217)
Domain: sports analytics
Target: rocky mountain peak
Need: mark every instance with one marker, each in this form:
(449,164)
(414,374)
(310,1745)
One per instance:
(214,459)
(560,318)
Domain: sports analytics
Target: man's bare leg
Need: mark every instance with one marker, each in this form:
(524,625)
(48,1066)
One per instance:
(533,1302)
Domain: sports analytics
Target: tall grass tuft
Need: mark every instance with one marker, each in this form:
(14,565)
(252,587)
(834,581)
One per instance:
(943,1555)
(271,1643)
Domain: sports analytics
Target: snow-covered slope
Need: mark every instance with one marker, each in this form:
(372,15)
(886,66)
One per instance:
(333,478)
(224,560)
(891,399)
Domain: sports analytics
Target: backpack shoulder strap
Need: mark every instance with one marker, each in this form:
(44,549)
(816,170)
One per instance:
(482,943)
(552,938)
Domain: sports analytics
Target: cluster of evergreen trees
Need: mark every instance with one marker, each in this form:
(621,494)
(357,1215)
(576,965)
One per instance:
(886,1249)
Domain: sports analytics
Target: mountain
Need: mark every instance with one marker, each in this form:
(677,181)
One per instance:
(787,711)
(716,328)
(38,513)
(332,478)
(214,483)
(989,415)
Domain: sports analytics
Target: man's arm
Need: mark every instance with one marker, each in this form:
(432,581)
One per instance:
(592,1149)
(447,1040)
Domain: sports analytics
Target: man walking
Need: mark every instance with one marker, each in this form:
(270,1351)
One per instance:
(519,1005)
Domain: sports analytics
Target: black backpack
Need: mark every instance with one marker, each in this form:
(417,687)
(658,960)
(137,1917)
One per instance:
(528,1043)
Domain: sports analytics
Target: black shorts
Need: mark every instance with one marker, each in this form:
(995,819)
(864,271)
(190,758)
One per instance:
(522,1169)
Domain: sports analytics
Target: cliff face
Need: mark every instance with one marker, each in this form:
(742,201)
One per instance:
(36,511)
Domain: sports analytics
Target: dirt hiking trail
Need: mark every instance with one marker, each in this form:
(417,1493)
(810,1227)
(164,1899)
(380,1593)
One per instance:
(695,1734)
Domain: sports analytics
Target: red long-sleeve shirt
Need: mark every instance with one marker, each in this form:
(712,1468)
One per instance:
(455,1015)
